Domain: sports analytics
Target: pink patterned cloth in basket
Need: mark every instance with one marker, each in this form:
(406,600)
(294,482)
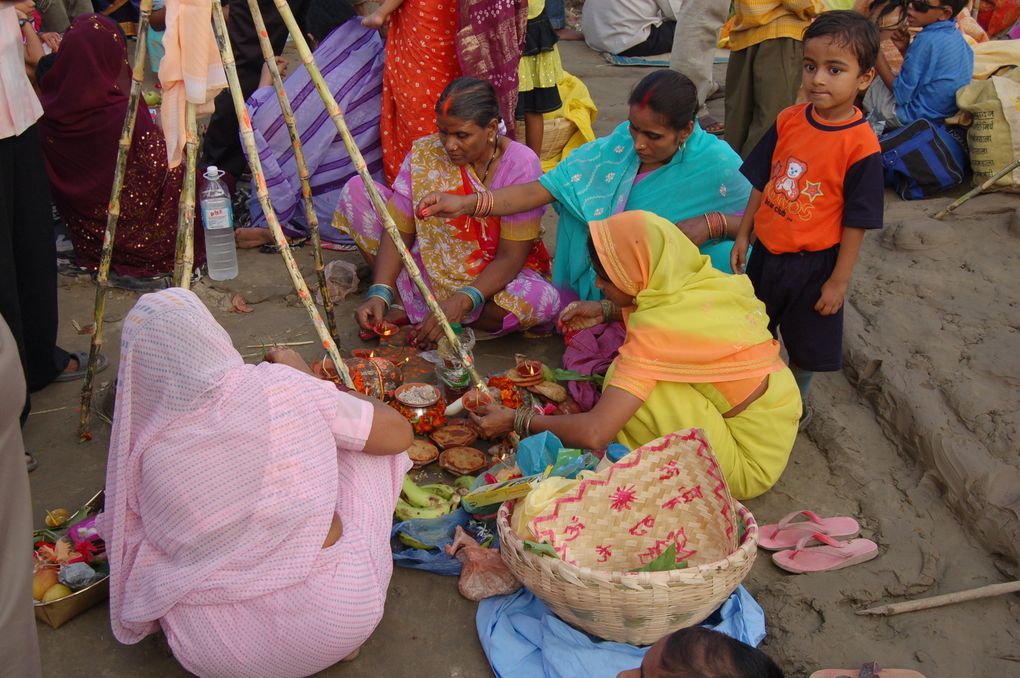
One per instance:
(668,492)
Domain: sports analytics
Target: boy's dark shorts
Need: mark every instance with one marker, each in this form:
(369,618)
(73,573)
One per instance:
(790,285)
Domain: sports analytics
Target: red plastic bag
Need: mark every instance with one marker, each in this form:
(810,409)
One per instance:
(484,573)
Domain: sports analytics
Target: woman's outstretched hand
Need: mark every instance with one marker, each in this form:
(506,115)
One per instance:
(493,420)
(427,333)
(443,205)
(579,315)
(370,313)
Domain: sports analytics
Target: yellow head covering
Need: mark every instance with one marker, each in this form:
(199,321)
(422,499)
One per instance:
(690,323)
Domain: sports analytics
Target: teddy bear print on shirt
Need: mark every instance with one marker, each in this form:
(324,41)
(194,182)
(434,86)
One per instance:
(786,183)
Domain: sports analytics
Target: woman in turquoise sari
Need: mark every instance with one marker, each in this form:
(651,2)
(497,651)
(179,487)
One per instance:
(659,161)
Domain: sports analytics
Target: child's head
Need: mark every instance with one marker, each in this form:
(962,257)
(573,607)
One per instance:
(322,17)
(840,50)
(920,13)
(697,652)
(887,14)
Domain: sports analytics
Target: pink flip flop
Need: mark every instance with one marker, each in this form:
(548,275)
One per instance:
(831,555)
(869,670)
(787,533)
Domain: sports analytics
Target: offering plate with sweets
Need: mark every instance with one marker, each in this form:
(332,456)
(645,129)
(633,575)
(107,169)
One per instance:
(462,461)
(459,433)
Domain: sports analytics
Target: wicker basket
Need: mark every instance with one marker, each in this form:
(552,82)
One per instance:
(668,492)
(628,607)
(556,135)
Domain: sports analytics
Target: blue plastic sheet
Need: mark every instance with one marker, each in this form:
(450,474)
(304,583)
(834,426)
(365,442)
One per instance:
(538,452)
(523,639)
(435,532)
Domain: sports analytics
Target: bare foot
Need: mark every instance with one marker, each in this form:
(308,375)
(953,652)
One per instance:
(72,365)
(248,238)
(352,656)
(569,34)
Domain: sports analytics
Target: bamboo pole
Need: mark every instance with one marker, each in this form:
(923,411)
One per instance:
(185,254)
(945,599)
(980,189)
(248,137)
(377,202)
(113,213)
(299,160)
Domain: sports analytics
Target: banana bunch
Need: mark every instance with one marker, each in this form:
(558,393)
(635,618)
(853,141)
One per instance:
(425,501)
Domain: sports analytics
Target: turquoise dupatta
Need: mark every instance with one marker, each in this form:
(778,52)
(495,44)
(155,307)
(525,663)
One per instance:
(597,180)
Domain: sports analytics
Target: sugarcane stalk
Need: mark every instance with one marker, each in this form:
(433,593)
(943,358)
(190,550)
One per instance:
(979,593)
(980,189)
(113,213)
(248,137)
(299,160)
(377,202)
(184,259)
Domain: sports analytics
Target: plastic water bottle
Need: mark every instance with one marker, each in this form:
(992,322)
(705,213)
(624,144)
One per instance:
(218,217)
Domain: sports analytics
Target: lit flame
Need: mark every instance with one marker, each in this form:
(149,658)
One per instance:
(371,354)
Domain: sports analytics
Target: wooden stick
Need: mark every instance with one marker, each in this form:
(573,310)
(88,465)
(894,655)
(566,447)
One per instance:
(980,189)
(377,202)
(270,344)
(299,160)
(248,137)
(185,254)
(946,599)
(113,213)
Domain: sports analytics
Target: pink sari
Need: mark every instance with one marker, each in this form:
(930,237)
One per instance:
(219,497)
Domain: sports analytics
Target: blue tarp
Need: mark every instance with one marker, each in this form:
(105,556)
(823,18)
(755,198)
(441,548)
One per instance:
(523,639)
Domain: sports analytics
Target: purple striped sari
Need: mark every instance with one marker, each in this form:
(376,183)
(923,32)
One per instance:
(351,61)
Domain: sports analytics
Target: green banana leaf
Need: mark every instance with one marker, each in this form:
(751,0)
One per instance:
(664,563)
(560,374)
(543,549)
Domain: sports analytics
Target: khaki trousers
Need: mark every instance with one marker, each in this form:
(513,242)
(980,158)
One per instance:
(761,81)
(697,32)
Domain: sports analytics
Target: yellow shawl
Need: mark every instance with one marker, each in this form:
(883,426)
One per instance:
(690,323)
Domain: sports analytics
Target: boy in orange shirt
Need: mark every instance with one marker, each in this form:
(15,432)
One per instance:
(817,186)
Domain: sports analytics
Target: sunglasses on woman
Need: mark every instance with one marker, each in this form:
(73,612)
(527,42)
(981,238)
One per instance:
(921,6)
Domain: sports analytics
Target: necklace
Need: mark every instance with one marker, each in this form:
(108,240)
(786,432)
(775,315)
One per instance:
(488,165)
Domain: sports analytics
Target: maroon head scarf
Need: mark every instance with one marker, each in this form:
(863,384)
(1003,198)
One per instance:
(84,97)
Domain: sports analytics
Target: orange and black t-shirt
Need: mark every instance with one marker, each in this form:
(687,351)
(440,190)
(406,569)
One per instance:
(815,179)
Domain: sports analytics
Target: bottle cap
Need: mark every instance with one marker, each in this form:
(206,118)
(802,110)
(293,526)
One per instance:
(213,172)
(457,329)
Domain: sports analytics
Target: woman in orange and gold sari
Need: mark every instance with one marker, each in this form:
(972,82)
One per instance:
(698,352)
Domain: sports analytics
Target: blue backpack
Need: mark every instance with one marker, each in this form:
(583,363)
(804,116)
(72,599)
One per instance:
(922,159)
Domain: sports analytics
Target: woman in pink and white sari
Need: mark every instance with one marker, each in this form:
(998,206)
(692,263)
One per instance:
(248,507)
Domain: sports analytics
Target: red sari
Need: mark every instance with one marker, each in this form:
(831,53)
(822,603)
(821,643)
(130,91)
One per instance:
(84,98)
(432,42)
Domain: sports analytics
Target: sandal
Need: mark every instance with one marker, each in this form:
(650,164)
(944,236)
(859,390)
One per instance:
(83,362)
(831,555)
(719,93)
(787,533)
(868,670)
(805,418)
(712,126)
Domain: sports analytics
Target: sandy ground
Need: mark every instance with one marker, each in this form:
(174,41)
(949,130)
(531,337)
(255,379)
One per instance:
(920,432)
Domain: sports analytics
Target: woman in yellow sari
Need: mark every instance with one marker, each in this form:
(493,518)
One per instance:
(697,353)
